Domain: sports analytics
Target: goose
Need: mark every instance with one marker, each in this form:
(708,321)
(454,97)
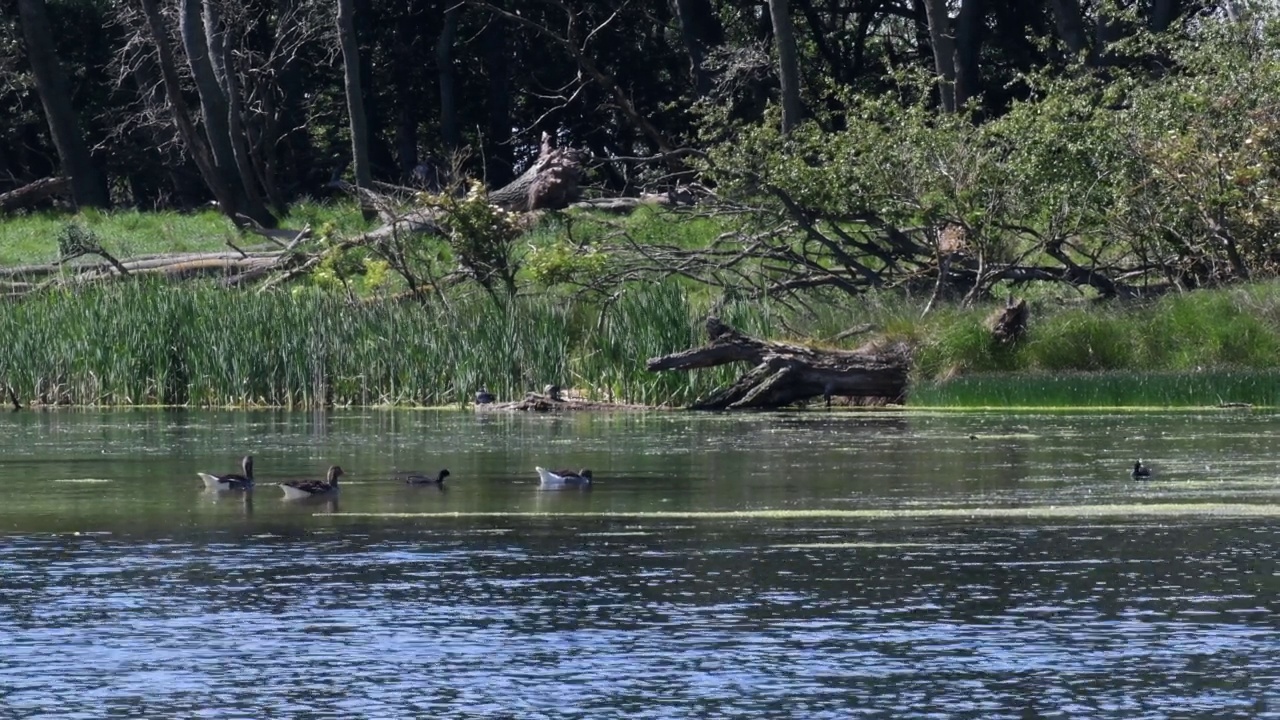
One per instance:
(231,481)
(564,478)
(1140,470)
(417,478)
(299,489)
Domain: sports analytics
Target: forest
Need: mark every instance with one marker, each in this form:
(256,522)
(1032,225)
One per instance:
(1105,145)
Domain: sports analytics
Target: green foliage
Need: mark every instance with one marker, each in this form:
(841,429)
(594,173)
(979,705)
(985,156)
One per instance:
(563,262)
(1082,340)
(1205,331)
(482,236)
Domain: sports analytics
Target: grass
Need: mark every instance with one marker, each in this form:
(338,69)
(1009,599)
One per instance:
(153,343)
(32,238)
(1114,389)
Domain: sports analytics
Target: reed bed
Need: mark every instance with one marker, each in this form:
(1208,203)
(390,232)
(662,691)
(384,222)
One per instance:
(151,343)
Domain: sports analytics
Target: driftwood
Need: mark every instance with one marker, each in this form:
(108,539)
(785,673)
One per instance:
(1009,324)
(784,374)
(623,205)
(33,193)
(548,402)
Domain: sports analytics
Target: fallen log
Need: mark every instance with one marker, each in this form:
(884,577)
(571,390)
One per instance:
(34,192)
(550,183)
(784,373)
(141,263)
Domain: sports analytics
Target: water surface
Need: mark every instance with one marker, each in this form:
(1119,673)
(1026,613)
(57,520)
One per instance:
(786,565)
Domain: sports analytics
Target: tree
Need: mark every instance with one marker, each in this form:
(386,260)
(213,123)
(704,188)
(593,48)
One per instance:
(788,68)
(88,187)
(355,94)
(701,31)
(202,39)
(943,45)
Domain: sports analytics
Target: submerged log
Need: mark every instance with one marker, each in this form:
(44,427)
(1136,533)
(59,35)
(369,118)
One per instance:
(548,402)
(784,373)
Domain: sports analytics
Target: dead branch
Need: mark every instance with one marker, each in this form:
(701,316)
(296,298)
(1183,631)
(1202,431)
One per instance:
(785,373)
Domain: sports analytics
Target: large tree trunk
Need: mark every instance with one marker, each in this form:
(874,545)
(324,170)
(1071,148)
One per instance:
(406,132)
(182,114)
(943,44)
(88,187)
(785,374)
(700,29)
(969,26)
(224,72)
(213,101)
(34,193)
(450,137)
(498,155)
(355,93)
(784,36)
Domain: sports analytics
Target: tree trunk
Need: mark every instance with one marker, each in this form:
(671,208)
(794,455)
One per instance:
(943,43)
(1066,15)
(551,182)
(34,193)
(406,133)
(355,94)
(968,43)
(88,187)
(700,29)
(788,67)
(785,374)
(240,131)
(498,155)
(182,114)
(450,137)
(213,101)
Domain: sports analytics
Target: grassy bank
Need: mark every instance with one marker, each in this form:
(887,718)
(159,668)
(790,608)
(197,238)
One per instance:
(152,343)
(33,238)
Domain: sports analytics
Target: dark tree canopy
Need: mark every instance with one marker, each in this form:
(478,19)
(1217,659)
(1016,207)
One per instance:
(614,78)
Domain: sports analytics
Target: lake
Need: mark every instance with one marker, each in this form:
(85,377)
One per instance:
(803,565)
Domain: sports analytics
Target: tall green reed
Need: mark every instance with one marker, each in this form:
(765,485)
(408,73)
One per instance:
(153,343)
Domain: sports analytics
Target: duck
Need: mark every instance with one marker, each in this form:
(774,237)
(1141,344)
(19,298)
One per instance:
(231,481)
(1140,470)
(299,489)
(564,478)
(416,478)
(483,396)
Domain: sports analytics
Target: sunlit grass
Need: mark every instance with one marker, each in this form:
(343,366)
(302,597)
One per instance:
(32,238)
(1103,389)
